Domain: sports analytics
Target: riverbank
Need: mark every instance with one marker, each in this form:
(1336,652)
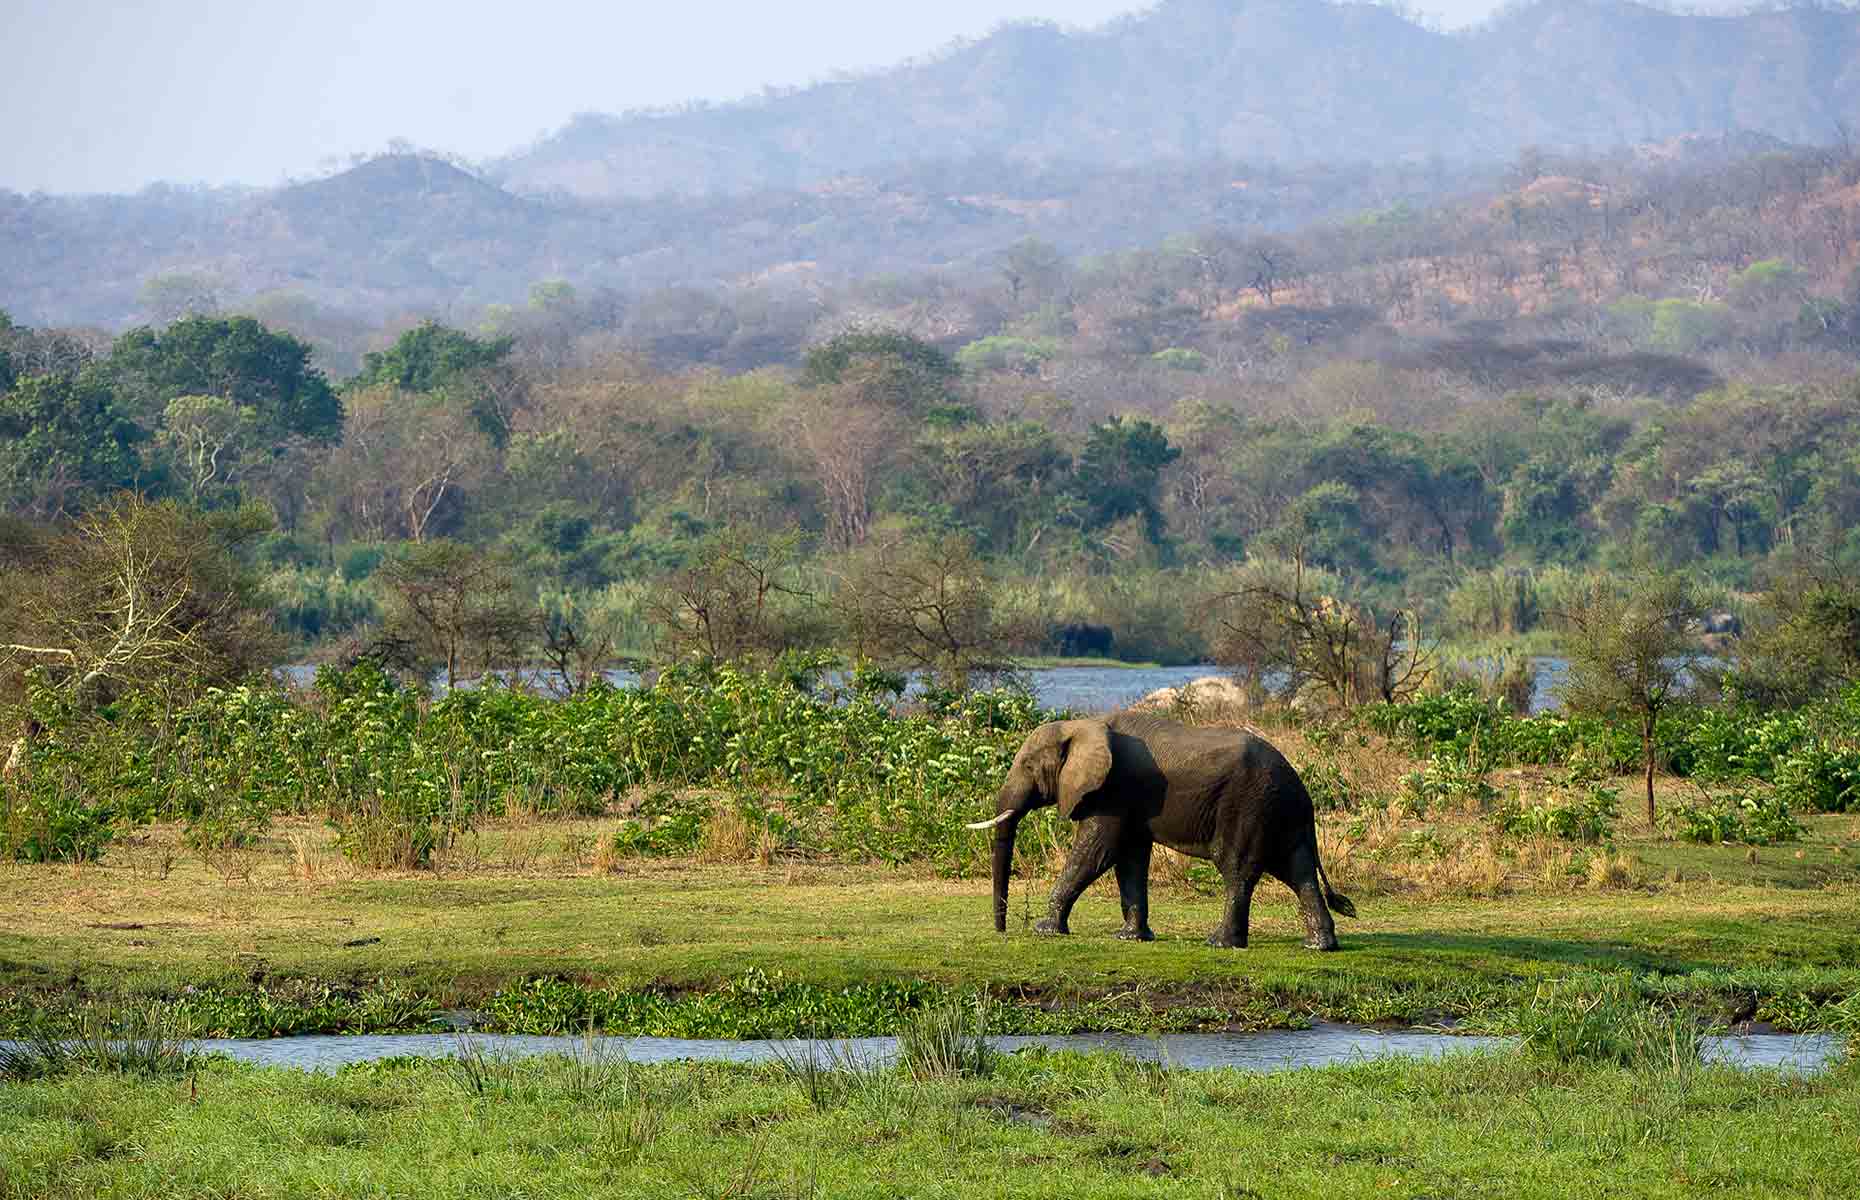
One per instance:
(1024,1125)
(533,929)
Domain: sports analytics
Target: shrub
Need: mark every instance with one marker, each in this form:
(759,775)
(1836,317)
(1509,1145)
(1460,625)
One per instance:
(1587,816)
(1748,818)
(1447,779)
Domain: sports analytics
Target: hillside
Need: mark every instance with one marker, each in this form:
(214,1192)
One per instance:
(404,233)
(1290,81)
(1246,117)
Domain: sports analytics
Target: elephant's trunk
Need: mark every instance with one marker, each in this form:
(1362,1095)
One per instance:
(1004,861)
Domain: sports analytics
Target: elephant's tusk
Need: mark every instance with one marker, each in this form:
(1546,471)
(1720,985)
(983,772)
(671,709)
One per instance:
(990,824)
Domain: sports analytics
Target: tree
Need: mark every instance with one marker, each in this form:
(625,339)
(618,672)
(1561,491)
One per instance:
(738,598)
(405,464)
(234,358)
(458,606)
(1120,472)
(848,439)
(136,595)
(925,603)
(431,357)
(1629,650)
(889,369)
(64,443)
(176,294)
(210,439)
(1279,621)
(1802,642)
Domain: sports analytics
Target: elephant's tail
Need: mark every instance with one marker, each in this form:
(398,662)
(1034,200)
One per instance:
(1338,902)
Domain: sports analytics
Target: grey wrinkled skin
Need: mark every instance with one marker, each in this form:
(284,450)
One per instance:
(1132,780)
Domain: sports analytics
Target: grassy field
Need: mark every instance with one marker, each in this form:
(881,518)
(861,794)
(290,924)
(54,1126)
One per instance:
(1033,1125)
(1455,932)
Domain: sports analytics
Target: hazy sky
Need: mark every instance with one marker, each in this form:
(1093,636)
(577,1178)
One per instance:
(102,96)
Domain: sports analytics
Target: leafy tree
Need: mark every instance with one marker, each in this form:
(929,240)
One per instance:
(1802,641)
(1119,472)
(64,443)
(1630,646)
(891,370)
(430,356)
(1003,481)
(236,359)
(210,440)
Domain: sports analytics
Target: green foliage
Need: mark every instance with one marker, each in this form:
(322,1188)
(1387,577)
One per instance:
(1605,1019)
(1580,814)
(65,443)
(1449,779)
(1750,818)
(948,1039)
(401,779)
(1120,471)
(1022,356)
(234,358)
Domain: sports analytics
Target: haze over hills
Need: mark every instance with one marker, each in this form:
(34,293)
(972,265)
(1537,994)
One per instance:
(1275,80)
(1195,115)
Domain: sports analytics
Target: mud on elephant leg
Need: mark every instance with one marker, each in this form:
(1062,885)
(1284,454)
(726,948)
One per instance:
(1301,875)
(1094,850)
(1231,932)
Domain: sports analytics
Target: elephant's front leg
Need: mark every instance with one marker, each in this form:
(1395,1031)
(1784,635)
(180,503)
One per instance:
(1133,888)
(1094,849)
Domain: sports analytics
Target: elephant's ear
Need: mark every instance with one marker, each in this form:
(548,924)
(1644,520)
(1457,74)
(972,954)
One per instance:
(1087,763)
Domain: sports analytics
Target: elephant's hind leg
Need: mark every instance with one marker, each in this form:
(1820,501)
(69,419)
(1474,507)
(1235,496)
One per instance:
(1231,932)
(1133,888)
(1094,849)
(1302,877)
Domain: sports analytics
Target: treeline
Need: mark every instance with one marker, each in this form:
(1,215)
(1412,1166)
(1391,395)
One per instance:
(1453,414)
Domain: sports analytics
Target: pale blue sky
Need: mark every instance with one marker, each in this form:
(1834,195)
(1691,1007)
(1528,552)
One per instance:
(101,96)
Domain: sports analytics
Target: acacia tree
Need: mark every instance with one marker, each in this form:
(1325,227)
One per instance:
(1280,622)
(735,599)
(457,605)
(927,604)
(1629,651)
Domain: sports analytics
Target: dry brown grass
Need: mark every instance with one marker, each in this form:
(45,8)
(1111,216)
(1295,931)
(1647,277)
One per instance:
(731,837)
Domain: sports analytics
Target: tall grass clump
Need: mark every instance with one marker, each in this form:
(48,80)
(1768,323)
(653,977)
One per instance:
(145,1039)
(948,1039)
(1605,1019)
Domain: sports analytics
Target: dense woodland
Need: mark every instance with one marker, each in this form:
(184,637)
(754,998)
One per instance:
(1450,413)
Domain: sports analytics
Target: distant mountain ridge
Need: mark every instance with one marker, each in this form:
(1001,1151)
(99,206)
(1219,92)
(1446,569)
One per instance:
(1292,81)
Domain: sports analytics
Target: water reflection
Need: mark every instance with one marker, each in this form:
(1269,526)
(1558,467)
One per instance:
(1271,1050)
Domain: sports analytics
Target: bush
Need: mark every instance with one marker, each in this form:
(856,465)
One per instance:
(1819,778)
(399,777)
(1748,818)
(1588,816)
(1447,779)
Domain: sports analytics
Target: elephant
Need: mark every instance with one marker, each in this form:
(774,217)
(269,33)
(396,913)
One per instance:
(1134,779)
(1082,639)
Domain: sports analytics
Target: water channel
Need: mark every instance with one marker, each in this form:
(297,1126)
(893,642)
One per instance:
(1270,1050)
(1090,689)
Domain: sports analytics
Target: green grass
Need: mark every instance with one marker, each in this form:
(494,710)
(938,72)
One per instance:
(545,943)
(1036,1125)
